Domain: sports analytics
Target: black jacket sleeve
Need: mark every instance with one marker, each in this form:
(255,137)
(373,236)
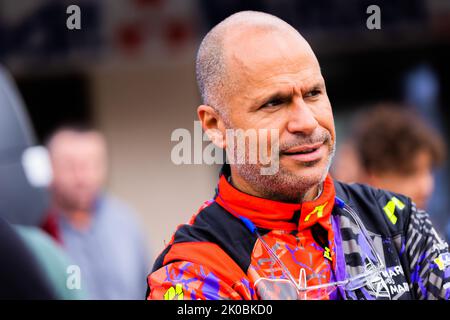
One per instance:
(429,258)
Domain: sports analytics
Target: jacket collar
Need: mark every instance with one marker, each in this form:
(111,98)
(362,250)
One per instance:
(270,214)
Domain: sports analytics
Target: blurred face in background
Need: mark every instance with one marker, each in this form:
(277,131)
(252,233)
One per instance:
(396,150)
(417,184)
(79,168)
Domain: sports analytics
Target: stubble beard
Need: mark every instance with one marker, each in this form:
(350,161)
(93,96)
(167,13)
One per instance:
(285,185)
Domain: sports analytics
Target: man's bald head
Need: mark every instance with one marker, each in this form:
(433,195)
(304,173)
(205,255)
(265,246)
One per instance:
(257,73)
(212,64)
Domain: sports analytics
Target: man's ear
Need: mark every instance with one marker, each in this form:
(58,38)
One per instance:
(212,124)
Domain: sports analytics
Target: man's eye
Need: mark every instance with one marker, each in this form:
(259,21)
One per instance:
(313,93)
(273,103)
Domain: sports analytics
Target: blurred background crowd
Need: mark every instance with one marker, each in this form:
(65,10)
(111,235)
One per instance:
(105,99)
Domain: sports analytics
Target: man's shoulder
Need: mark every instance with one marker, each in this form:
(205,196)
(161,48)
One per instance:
(212,224)
(384,211)
(118,212)
(115,206)
(111,202)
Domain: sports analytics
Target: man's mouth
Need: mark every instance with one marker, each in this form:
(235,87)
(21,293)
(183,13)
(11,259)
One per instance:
(306,153)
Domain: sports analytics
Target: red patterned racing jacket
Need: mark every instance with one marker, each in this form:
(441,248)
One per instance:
(239,246)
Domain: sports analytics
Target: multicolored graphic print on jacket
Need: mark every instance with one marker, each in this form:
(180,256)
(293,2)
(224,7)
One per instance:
(217,256)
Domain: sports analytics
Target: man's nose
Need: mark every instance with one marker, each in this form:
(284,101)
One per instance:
(79,172)
(301,118)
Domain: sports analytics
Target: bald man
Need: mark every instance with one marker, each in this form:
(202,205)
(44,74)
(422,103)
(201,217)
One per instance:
(99,232)
(294,233)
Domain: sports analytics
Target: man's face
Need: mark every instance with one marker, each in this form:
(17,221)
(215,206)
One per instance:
(278,85)
(78,162)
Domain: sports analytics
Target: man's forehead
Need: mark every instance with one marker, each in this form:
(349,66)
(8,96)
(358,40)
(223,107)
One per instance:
(72,142)
(258,54)
(271,63)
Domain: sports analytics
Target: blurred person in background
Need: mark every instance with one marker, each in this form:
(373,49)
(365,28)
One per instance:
(392,149)
(98,232)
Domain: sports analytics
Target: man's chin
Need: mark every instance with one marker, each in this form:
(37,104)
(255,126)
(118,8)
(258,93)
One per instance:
(302,168)
(309,173)
(295,186)
(80,204)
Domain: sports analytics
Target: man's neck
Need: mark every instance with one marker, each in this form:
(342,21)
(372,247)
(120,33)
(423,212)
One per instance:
(79,219)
